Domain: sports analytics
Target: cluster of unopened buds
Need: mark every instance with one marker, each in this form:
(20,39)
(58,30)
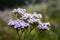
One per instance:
(27,19)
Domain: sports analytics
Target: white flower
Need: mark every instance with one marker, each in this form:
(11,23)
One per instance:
(43,26)
(19,21)
(27,24)
(32,20)
(31,16)
(39,26)
(14,11)
(11,22)
(21,11)
(17,24)
(37,15)
(38,20)
(22,25)
(25,16)
(47,24)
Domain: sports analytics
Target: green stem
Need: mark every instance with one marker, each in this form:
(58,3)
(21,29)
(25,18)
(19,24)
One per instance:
(18,35)
(23,34)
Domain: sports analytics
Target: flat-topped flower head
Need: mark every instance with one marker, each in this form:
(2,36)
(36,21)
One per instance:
(34,14)
(21,11)
(31,16)
(37,15)
(27,19)
(27,25)
(25,16)
(17,24)
(22,25)
(38,21)
(47,24)
(11,22)
(32,20)
(43,26)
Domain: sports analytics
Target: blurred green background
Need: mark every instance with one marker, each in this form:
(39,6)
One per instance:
(50,9)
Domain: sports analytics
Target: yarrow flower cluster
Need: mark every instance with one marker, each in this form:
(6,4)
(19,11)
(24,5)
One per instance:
(18,24)
(27,19)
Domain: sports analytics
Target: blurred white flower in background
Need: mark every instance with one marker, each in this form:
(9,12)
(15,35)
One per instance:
(14,11)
